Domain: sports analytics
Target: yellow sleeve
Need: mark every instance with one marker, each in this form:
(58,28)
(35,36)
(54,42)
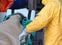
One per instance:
(43,18)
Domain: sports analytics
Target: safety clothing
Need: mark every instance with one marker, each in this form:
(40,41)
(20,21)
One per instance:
(10,30)
(49,18)
(5,4)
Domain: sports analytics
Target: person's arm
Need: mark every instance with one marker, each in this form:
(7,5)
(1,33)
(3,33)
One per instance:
(43,18)
(41,21)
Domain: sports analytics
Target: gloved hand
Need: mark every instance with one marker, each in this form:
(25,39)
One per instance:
(5,4)
(23,35)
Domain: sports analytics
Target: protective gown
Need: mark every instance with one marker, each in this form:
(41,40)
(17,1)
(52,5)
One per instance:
(49,18)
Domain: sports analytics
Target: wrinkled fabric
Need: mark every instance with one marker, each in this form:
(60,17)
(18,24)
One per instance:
(10,30)
(47,1)
(49,18)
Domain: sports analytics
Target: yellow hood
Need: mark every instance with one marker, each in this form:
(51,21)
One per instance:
(46,1)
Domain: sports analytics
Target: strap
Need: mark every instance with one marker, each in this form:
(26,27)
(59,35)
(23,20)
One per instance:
(29,14)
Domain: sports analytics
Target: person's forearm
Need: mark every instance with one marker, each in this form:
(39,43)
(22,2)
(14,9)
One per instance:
(2,16)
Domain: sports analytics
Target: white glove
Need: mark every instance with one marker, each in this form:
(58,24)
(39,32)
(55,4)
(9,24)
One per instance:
(23,35)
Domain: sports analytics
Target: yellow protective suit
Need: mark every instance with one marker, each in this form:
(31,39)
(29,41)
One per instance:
(50,18)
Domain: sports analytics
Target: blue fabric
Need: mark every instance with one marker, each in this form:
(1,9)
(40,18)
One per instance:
(25,22)
(19,4)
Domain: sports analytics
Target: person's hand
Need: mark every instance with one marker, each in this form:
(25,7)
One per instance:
(23,35)
(5,4)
